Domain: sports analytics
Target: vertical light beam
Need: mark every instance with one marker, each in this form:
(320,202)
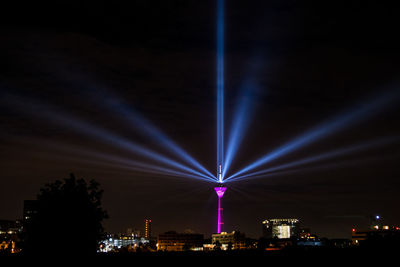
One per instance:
(220,83)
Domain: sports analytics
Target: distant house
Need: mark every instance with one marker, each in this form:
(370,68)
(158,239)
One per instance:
(173,241)
(236,240)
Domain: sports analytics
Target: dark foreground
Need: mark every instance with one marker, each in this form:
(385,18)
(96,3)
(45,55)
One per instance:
(292,255)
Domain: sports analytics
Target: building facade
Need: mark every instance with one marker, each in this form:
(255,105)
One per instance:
(236,240)
(173,241)
(147,229)
(116,242)
(30,209)
(281,228)
(9,235)
(360,237)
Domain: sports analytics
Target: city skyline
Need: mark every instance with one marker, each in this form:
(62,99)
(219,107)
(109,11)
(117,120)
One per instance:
(280,228)
(126,94)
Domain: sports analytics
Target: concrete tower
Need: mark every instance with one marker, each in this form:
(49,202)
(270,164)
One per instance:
(220,193)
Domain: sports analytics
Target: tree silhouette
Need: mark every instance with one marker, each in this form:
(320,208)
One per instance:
(68,219)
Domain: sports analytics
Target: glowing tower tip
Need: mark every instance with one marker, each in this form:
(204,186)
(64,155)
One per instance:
(220,174)
(220,191)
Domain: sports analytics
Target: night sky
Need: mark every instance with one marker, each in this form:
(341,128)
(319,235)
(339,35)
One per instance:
(309,62)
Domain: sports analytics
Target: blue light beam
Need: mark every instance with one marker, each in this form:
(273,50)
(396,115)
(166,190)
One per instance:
(319,167)
(328,155)
(119,162)
(98,93)
(148,129)
(240,123)
(349,118)
(220,86)
(93,131)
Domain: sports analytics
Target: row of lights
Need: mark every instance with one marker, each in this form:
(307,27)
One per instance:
(376,227)
(9,232)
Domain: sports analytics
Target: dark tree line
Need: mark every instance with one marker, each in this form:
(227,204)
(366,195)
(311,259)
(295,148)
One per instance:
(68,219)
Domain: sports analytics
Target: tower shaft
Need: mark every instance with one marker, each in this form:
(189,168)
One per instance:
(220,193)
(220,222)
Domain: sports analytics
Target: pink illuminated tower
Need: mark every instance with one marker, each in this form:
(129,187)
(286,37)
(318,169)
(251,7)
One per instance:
(220,193)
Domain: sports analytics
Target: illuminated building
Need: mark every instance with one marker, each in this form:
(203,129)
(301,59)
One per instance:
(10,227)
(376,222)
(236,239)
(133,232)
(305,233)
(9,235)
(280,228)
(173,241)
(377,230)
(359,237)
(115,242)
(30,209)
(309,243)
(147,229)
